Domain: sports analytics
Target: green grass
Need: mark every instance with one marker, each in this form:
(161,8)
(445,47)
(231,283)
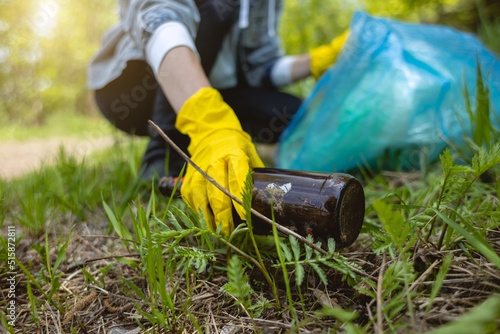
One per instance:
(58,124)
(448,211)
(427,258)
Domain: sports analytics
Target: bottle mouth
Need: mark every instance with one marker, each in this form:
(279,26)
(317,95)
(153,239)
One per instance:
(350,213)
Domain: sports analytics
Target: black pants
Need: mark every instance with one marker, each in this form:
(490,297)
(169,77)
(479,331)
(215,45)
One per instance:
(135,97)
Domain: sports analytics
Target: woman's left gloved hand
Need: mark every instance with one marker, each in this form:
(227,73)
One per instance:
(324,56)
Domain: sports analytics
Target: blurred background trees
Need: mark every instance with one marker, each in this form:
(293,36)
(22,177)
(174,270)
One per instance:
(44,48)
(45,45)
(309,23)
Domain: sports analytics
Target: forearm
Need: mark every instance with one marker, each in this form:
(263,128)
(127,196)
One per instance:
(180,76)
(315,63)
(289,69)
(301,67)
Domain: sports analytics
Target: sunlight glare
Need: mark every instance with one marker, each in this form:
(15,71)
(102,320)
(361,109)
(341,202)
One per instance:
(45,17)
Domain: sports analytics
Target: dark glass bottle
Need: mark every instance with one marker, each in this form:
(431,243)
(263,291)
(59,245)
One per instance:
(319,204)
(322,205)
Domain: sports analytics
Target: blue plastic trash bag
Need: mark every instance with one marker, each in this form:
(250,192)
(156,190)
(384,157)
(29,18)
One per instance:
(396,91)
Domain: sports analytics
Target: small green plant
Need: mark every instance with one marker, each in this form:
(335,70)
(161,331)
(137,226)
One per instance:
(238,285)
(393,287)
(458,182)
(481,119)
(47,275)
(282,264)
(165,251)
(439,280)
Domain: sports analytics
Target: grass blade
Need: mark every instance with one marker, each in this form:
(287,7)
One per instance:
(481,319)
(438,283)
(61,255)
(475,239)
(136,289)
(33,302)
(117,225)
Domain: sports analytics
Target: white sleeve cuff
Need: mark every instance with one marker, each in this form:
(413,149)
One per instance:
(281,73)
(166,37)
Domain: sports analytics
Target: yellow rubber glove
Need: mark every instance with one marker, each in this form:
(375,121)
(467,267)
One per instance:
(221,148)
(324,56)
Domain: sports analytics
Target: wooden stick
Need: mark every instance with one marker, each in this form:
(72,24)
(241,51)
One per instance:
(234,198)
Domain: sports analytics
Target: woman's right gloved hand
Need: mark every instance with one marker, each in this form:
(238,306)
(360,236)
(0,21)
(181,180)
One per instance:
(221,148)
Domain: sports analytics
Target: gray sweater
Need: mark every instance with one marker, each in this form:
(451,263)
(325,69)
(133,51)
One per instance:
(146,32)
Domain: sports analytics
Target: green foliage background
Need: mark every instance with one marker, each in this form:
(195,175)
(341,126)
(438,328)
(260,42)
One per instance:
(46,44)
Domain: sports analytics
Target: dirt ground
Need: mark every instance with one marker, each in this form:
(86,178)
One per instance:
(18,158)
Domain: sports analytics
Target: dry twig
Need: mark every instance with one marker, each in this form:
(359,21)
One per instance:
(81,304)
(116,309)
(379,296)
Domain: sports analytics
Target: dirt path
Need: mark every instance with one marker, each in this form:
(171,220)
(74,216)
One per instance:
(18,158)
